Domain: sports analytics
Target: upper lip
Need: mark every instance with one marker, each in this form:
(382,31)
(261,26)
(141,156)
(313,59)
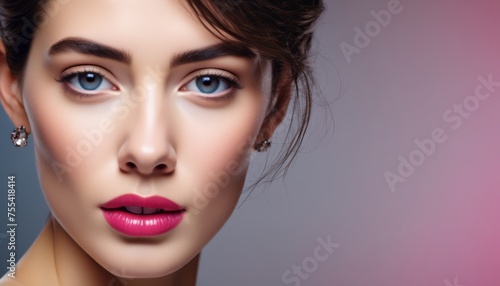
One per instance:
(131,200)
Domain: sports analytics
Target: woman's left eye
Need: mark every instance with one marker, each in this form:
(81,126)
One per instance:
(88,81)
(209,84)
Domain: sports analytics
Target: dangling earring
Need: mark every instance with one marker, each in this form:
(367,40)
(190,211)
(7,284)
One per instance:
(263,145)
(19,136)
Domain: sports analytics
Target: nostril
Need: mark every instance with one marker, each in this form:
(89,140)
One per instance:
(131,165)
(160,167)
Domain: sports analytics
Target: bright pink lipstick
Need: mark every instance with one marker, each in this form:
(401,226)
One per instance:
(133,215)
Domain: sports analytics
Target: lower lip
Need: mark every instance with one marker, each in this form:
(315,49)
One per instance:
(142,225)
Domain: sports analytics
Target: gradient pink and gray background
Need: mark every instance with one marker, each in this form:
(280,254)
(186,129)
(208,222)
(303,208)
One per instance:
(438,227)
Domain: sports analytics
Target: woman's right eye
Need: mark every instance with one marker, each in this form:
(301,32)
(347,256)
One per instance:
(86,83)
(89,81)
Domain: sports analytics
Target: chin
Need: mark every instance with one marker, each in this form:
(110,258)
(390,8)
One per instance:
(143,261)
(141,268)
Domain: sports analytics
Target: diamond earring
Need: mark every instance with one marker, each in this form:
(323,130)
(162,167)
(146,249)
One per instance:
(19,136)
(263,145)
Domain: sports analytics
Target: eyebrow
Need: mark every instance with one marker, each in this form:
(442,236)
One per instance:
(212,52)
(88,47)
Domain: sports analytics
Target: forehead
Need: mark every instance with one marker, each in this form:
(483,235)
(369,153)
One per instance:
(147,29)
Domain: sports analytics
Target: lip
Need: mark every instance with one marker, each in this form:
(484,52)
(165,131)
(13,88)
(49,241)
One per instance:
(133,224)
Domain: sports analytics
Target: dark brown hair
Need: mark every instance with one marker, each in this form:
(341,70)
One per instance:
(279,30)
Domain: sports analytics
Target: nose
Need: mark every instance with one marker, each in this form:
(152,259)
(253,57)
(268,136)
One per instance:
(147,159)
(146,148)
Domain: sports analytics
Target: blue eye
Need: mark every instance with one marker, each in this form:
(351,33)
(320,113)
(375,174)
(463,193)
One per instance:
(88,81)
(209,84)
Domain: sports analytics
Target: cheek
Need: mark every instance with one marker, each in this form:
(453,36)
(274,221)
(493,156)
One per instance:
(66,139)
(69,145)
(215,151)
(69,133)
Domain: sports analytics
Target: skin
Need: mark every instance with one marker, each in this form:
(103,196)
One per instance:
(159,137)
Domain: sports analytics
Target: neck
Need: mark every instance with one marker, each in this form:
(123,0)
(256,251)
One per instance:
(66,263)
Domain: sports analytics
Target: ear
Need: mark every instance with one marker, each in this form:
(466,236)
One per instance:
(10,93)
(278,106)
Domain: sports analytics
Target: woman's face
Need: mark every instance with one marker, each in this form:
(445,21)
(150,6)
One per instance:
(129,97)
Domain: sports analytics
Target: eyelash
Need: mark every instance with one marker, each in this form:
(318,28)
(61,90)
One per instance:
(65,77)
(230,79)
